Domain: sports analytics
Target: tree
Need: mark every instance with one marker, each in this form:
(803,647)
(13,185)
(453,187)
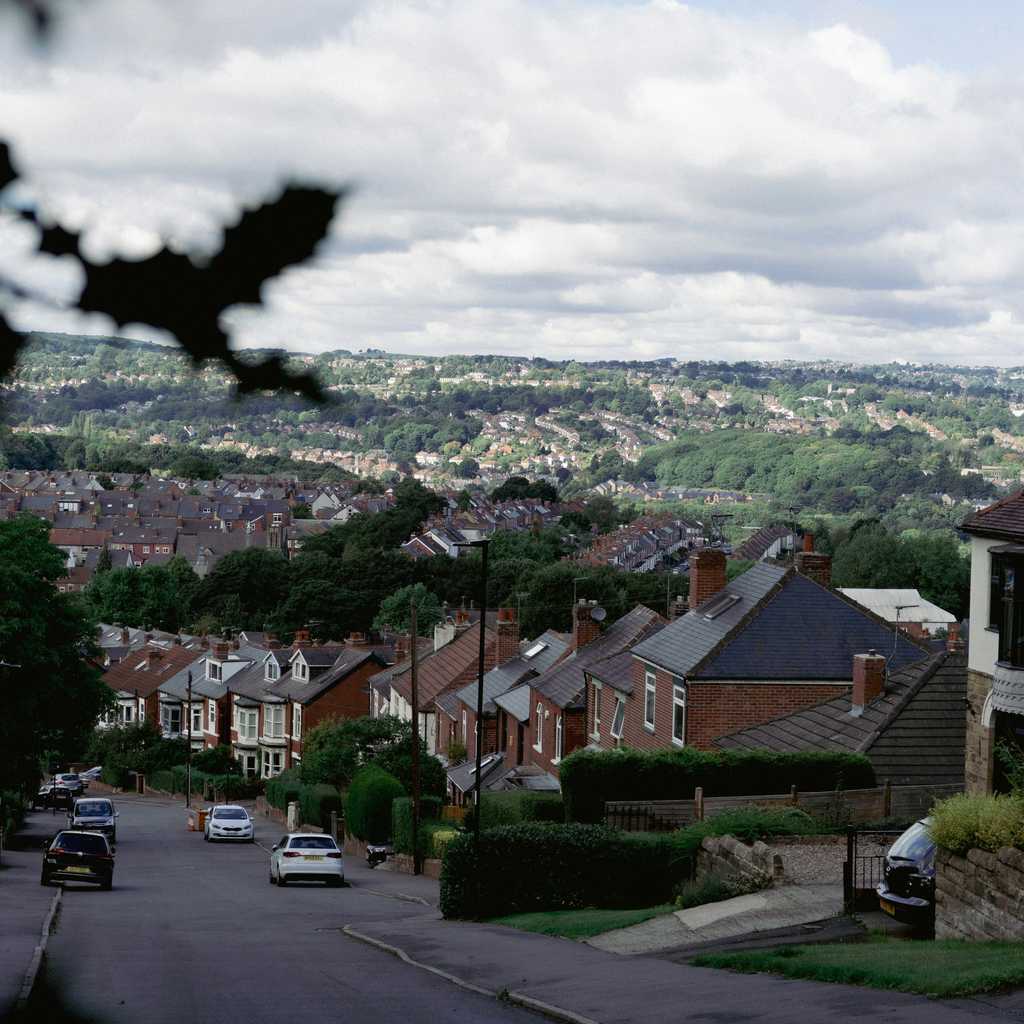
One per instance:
(302,511)
(469,468)
(394,613)
(46,683)
(244,589)
(194,467)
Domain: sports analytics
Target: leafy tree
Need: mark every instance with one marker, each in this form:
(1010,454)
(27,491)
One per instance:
(302,511)
(395,610)
(469,468)
(244,589)
(219,760)
(194,467)
(872,557)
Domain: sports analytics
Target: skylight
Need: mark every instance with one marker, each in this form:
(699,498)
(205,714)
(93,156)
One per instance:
(533,651)
(718,604)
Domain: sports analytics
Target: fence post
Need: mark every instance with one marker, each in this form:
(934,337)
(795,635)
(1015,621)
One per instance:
(334,825)
(698,803)
(849,870)
(887,799)
(794,796)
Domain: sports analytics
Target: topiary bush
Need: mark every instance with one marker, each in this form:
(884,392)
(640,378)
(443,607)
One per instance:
(401,821)
(513,808)
(961,823)
(590,777)
(369,803)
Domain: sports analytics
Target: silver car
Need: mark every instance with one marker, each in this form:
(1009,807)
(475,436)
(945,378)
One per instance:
(228,821)
(94,814)
(306,857)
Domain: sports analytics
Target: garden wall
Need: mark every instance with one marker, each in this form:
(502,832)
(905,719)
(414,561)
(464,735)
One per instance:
(727,857)
(979,896)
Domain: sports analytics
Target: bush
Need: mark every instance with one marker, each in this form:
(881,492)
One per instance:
(713,889)
(218,760)
(537,866)
(369,803)
(963,822)
(115,774)
(591,777)
(401,822)
(162,779)
(316,804)
(513,808)
(12,811)
(282,789)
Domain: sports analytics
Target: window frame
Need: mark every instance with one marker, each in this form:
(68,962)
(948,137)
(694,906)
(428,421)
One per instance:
(678,701)
(650,699)
(211,716)
(595,721)
(197,717)
(273,719)
(620,706)
(296,720)
(559,740)
(538,741)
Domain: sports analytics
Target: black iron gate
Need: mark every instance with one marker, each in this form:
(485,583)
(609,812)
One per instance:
(865,866)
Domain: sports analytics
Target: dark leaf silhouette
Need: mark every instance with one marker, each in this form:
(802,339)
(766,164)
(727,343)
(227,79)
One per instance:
(7,171)
(10,342)
(55,240)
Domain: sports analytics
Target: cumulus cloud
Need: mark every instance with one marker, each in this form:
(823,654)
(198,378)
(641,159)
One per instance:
(567,179)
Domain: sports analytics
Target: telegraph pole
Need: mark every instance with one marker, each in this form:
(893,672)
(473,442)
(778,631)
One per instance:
(188,754)
(414,683)
(484,544)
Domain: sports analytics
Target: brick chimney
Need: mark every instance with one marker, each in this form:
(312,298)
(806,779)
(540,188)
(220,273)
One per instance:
(403,646)
(707,575)
(508,635)
(273,644)
(125,636)
(221,650)
(153,655)
(953,641)
(868,680)
(584,626)
(815,567)
(301,639)
(357,640)
(808,544)
(462,620)
(677,607)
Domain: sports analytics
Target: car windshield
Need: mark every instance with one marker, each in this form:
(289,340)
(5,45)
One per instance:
(75,842)
(67,778)
(230,812)
(312,843)
(915,845)
(93,809)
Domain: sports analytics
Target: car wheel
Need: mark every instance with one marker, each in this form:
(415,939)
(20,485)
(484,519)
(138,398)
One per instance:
(107,885)
(281,881)
(271,877)
(334,883)
(206,837)
(44,879)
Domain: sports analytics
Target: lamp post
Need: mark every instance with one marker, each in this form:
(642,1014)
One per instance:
(483,545)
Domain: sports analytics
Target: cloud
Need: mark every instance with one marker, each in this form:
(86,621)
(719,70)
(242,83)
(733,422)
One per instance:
(573,178)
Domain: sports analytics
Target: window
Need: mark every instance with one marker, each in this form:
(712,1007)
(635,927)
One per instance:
(145,549)
(538,743)
(558,739)
(995,592)
(465,734)
(170,719)
(650,695)
(679,715)
(211,708)
(1011,624)
(213,670)
(197,717)
(142,710)
(273,721)
(273,763)
(273,671)
(596,731)
(296,721)
(127,712)
(619,718)
(299,669)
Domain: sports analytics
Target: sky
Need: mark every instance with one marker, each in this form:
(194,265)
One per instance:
(576,179)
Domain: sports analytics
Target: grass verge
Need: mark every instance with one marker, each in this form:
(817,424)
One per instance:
(944,968)
(581,924)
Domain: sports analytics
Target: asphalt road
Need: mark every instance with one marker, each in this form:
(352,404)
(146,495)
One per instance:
(193,932)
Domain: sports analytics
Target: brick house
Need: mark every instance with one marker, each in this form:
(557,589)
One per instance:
(137,678)
(773,641)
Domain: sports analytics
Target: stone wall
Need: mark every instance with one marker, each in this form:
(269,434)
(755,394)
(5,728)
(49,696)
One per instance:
(980,896)
(727,857)
(978,754)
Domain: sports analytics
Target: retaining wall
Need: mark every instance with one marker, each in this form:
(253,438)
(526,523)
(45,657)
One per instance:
(727,857)
(980,896)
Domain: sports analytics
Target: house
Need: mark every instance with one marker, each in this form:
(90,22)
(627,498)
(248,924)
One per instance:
(995,659)
(771,642)
(136,679)
(769,542)
(902,607)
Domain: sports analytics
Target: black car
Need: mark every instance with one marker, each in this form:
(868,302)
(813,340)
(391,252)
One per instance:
(79,857)
(908,892)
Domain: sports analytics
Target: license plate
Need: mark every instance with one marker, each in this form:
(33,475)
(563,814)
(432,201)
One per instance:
(311,856)
(887,907)
(79,871)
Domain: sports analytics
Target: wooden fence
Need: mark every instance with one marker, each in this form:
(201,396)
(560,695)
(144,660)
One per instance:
(843,806)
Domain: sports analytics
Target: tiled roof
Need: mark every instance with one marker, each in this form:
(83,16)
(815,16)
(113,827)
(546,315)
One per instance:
(134,673)
(516,702)
(306,692)
(1003,520)
(757,544)
(914,733)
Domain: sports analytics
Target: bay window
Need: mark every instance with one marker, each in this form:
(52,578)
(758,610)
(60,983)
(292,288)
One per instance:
(273,721)
(1006,605)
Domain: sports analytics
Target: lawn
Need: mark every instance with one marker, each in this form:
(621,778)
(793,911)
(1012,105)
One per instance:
(581,924)
(946,968)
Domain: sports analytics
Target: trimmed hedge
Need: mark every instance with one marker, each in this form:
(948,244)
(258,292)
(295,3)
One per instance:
(282,789)
(163,779)
(115,775)
(401,821)
(591,777)
(317,802)
(514,808)
(369,803)
(537,866)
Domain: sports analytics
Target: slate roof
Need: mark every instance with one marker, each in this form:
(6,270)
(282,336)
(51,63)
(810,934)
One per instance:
(305,692)
(757,544)
(914,733)
(516,702)
(1003,520)
(783,626)
(319,657)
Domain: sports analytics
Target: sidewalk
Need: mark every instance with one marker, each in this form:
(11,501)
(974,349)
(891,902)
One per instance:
(24,903)
(577,982)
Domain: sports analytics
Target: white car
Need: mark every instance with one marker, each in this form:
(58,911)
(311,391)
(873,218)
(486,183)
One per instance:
(228,821)
(306,857)
(92,775)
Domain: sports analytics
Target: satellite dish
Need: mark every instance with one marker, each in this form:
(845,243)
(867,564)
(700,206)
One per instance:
(598,614)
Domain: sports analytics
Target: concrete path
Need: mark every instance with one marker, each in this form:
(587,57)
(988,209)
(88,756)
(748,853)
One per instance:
(786,906)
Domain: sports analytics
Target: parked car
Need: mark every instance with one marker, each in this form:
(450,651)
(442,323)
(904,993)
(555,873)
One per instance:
(52,795)
(91,774)
(94,814)
(79,857)
(306,857)
(70,780)
(908,892)
(228,821)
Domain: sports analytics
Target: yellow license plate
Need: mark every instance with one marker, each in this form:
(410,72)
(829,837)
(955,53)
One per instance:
(887,907)
(311,856)
(79,871)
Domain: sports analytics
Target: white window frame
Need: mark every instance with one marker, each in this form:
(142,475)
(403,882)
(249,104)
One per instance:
(273,721)
(620,705)
(559,740)
(273,763)
(273,671)
(197,718)
(211,716)
(166,719)
(127,713)
(247,723)
(214,670)
(296,721)
(650,699)
(596,730)
(142,709)
(678,701)
(301,669)
(465,728)
(538,744)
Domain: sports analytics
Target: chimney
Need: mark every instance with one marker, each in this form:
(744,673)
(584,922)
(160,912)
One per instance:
(204,643)
(125,636)
(815,567)
(584,627)
(508,635)
(677,608)
(357,640)
(462,622)
(402,647)
(301,638)
(153,655)
(808,542)
(707,575)
(273,644)
(953,641)
(221,650)
(868,680)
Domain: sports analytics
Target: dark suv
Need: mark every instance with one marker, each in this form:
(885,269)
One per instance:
(79,857)
(908,892)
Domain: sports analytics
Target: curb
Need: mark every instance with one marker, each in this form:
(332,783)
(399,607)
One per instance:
(32,974)
(517,998)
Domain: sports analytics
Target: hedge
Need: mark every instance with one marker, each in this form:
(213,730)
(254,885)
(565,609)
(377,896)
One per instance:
(514,808)
(369,803)
(591,777)
(537,866)
(163,779)
(316,803)
(401,821)
(282,789)
(115,775)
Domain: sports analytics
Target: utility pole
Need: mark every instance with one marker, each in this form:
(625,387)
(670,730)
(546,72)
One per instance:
(414,683)
(188,755)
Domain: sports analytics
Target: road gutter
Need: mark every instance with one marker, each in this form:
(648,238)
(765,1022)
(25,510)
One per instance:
(32,974)
(518,998)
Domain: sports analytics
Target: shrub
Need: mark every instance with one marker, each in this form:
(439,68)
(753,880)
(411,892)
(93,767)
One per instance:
(439,835)
(512,808)
(162,779)
(12,811)
(218,760)
(591,777)
(282,789)
(457,752)
(537,866)
(401,821)
(115,774)
(316,804)
(713,889)
(964,822)
(369,803)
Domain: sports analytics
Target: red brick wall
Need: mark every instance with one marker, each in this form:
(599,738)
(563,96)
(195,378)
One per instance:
(707,575)
(573,733)
(608,699)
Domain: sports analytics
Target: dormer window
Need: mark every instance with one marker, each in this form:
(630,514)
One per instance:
(300,669)
(273,671)
(214,670)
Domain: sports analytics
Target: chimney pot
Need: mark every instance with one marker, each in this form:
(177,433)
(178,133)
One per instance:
(301,638)
(953,641)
